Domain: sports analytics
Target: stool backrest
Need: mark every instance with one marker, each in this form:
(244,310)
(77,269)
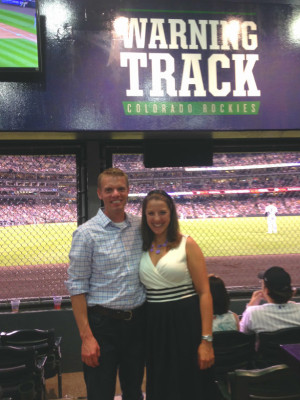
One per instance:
(268,352)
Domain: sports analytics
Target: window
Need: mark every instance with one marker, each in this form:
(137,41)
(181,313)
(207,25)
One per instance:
(38,214)
(223,208)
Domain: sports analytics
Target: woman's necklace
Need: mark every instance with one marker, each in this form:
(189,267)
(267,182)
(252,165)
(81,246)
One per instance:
(159,246)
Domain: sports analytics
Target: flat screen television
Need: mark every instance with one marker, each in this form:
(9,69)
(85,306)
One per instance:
(19,36)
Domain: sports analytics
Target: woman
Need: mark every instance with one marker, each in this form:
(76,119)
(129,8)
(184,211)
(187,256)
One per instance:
(224,319)
(179,327)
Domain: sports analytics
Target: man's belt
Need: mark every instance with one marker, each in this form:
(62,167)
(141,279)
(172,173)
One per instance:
(116,314)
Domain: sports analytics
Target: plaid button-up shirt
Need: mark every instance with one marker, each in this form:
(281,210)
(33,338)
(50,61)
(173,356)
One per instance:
(104,262)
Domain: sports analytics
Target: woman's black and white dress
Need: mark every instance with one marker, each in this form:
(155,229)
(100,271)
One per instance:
(173,327)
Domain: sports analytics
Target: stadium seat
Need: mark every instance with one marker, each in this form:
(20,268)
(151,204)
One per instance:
(44,343)
(233,349)
(278,382)
(21,373)
(269,352)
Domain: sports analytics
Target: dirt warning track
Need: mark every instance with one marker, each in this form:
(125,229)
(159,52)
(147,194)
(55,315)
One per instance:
(237,272)
(10,32)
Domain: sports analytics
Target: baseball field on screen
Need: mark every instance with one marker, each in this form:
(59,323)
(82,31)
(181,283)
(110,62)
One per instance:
(217,237)
(18,40)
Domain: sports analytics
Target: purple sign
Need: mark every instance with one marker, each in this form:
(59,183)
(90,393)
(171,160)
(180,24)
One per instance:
(189,66)
(226,66)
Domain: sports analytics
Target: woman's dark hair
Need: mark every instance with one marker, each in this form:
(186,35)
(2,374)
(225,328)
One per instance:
(219,294)
(173,234)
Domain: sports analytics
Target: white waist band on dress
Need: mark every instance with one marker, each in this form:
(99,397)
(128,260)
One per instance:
(170,294)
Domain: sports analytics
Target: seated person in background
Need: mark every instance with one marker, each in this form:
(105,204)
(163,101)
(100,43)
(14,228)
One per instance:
(278,312)
(223,319)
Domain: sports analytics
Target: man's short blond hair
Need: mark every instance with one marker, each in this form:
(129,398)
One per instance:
(114,172)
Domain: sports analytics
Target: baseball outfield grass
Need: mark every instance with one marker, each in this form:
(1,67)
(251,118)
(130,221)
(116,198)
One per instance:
(218,237)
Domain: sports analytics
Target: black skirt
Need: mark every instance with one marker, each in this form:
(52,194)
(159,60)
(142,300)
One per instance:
(173,337)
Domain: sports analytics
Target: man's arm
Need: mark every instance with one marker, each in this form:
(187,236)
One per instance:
(246,323)
(90,349)
(256,298)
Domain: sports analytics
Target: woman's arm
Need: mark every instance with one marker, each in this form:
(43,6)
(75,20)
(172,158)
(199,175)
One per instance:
(197,268)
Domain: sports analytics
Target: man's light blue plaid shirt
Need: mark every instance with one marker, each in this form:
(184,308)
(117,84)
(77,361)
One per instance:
(104,263)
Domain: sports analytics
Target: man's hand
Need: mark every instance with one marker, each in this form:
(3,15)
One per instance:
(90,352)
(256,298)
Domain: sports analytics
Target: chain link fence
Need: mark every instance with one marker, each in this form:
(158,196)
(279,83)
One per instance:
(223,208)
(38,214)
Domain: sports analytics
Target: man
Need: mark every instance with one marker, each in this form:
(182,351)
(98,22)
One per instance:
(278,312)
(106,293)
(270,213)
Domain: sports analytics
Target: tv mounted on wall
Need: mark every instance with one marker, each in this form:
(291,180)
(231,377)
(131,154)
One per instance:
(19,37)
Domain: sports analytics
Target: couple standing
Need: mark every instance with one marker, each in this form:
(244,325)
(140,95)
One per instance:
(109,259)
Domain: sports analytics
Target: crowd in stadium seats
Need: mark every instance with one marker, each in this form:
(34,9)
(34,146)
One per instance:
(134,162)
(38,163)
(219,206)
(206,182)
(25,214)
(39,189)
